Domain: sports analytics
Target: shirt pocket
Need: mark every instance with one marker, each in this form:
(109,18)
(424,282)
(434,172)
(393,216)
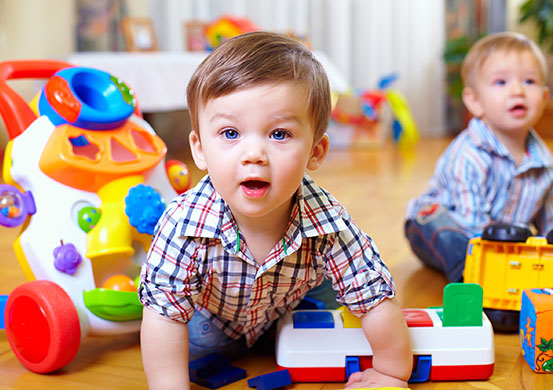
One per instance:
(284,284)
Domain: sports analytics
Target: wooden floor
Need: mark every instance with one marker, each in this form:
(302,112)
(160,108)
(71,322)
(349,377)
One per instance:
(375,186)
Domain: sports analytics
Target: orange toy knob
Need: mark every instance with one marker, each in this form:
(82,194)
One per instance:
(120,283)
(178,174)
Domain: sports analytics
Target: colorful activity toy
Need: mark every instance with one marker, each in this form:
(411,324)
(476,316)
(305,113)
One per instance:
(86,180)
(450,343)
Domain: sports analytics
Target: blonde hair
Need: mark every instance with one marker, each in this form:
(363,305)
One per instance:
(504,41)
(258,58)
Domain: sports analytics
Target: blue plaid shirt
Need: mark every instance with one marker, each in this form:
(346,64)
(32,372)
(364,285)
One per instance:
(477,179)
(193,262)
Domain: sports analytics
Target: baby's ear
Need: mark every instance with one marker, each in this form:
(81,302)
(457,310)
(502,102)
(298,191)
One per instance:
(546,93)
(318,153)
(472,102)
(197,150)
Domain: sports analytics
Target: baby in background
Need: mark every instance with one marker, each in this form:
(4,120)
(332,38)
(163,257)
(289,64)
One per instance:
(498,169)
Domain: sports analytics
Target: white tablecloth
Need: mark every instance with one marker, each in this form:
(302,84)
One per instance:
(160,78)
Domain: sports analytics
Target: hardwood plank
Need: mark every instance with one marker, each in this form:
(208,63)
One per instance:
(375,185)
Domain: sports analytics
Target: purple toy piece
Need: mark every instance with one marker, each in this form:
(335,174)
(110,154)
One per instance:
(67,258)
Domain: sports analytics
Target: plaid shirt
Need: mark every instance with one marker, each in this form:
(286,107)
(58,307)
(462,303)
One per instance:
(477,179)
(194,264)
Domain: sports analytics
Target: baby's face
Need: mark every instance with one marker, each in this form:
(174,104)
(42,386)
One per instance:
(510,91)
(256,144)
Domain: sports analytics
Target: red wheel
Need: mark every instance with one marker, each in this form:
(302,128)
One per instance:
(42,326)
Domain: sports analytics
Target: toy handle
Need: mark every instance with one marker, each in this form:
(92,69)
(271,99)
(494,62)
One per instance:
(13,108)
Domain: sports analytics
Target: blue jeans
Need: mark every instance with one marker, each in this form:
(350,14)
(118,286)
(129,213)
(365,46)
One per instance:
(205,338)
(439,242)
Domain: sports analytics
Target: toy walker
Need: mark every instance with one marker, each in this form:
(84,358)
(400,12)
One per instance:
(86,179)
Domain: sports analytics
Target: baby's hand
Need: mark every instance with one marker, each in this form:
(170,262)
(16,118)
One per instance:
(372,378)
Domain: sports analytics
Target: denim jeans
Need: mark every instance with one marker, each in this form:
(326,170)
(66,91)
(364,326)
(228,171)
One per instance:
(439,242)
(205,338)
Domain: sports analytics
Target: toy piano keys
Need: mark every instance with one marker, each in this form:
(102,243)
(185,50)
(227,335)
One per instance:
(449,344)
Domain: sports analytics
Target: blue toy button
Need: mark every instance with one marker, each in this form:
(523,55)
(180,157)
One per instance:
(313,319)
(421,372)
(352,365)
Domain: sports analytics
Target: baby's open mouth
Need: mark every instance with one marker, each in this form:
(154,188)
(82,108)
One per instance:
(519,108)
(254,188)
(254,184)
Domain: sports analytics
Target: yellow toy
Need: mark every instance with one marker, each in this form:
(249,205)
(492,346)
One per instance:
(408,135)
(505,261)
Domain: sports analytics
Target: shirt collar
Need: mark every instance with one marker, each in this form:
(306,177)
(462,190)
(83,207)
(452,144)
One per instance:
(538,152)
(537,156)
(204,213)
(208,215)
(317,210)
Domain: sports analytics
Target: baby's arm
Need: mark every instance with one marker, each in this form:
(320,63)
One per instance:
(387,333)
(544,218)
(164,345)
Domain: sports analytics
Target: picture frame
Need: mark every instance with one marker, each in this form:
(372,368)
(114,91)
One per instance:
(194,35)
(139,34)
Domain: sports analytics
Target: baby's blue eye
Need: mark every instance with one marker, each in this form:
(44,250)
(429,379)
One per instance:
(279,135)
(230,133)
(529,81)
(499,82)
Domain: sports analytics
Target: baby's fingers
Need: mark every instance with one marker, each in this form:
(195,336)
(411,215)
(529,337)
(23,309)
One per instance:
(354,378)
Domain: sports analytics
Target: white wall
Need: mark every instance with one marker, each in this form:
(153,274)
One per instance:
(138,8)
(406,37)
(34,29)
(513,16)
(366,39)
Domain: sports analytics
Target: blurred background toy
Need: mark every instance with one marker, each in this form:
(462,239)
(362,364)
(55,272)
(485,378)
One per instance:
(226,27)
(364,111)
(86,180)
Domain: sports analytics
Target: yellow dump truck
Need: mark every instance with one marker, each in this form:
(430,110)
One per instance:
(505,260)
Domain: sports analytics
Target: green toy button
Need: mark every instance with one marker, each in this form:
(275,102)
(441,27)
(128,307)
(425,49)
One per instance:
(113,305)
(463,304)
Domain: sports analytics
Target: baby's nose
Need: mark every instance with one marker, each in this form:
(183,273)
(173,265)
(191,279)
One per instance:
(254,152)
(516,87)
